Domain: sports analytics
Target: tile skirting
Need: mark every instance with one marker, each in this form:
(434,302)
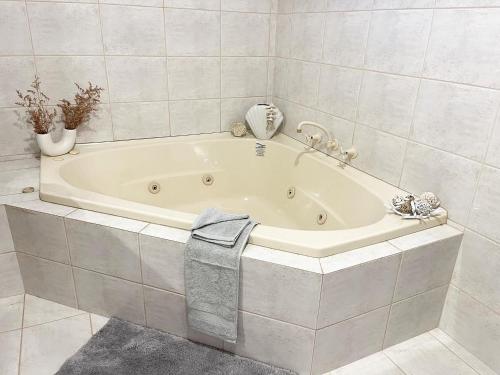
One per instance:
(289,303)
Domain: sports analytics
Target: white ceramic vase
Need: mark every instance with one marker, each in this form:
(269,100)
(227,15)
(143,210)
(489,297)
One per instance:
(63,146)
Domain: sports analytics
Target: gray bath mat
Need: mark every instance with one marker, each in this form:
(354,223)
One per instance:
(122,348)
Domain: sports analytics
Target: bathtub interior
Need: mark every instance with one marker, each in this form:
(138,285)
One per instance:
(242,182)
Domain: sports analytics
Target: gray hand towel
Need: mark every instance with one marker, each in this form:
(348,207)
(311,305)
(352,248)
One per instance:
(219,228)
(211,272)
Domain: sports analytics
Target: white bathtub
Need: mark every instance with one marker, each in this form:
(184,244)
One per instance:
(114,178)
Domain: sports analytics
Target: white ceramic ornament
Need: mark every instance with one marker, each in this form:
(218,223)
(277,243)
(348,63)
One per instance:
(431,198)
(51,148)
(264,120)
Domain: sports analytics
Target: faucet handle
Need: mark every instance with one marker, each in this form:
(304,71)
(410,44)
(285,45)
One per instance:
(332,145)
(313,139)
(349,154)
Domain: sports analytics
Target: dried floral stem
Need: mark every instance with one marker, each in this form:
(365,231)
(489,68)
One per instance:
(35,102)
(86,101)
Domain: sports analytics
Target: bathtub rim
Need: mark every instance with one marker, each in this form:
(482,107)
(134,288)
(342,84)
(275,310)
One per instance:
(317,244)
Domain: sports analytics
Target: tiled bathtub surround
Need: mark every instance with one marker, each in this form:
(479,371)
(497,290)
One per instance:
(415,87)
(167,67)
(296,311)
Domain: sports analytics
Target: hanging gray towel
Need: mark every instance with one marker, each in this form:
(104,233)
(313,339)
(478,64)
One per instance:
(212,272)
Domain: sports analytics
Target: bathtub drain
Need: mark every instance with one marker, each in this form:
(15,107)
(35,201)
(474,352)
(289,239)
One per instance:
(321,218)
(154,187)
(290,192)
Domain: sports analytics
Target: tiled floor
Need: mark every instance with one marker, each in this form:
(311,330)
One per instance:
(36,336)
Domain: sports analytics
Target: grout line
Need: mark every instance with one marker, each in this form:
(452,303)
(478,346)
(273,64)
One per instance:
(145,6)
(56,320)
(362,83)
(453,352)
(22,334)
(316,323)
(367,69)
(220,64)
(70,261)
(141,102)
(392,299)
(411,130)
(105,68)
(142,278)
(393,362)
(31,38)
(90,324)
(460,290)
(384,132)
(166,69)
(484,165)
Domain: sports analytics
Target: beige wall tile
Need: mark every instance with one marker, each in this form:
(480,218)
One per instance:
(483,217)
(132,30)
(194,116)
(426,266)
(451,177)
(356,290)
(162,263)
(338,91)
(47,279)
(244,34)
(282,293)
(11,283)
(477,269)
(472,325)
(104,249)
(14,24)
(274,342)
(365,334)
(386,102)
(346,34)
(39,234)
(65,28)
(192,32)
(415,315)
(463,47)
(140,120)
(109,296)
(133,79)
(398,40)
(455,118)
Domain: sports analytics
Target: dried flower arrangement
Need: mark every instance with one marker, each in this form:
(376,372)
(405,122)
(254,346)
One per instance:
(86,101)
(35,102)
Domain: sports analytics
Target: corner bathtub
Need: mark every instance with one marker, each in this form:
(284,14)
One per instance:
(115,178)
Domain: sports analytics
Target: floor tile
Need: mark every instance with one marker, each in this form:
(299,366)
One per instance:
(9,352)
(460,351)
(39,310)
(11,313)
(375,364)
(97,322)
(45,347)
(425,355)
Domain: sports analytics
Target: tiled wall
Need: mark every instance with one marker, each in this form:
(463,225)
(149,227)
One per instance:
(296,312)
(168,67)
(415,86)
